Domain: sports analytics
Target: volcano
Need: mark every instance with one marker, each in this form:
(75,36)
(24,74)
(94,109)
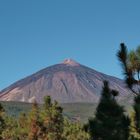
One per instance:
(66,82)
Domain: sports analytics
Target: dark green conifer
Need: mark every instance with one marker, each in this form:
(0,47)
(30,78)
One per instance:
(109,123)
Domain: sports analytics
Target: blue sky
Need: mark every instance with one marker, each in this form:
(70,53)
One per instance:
(38,33)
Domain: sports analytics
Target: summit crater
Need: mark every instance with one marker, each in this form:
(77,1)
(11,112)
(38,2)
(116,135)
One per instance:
(70,62)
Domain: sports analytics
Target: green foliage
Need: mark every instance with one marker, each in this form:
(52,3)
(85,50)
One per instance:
(134,135)
(11,130)
(15,129)
(51,120)
(137,112)
(109,123)
(74,131)
(131,67)
(130,62)
(33,120)
(2,122)
(135,120)
(41,123)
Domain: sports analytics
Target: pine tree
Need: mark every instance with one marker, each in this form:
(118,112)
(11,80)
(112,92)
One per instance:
(34,123)
(2,122)
(51,120)
(109,123)
(130,62)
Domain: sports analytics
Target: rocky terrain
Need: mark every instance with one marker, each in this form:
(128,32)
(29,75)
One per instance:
(67,82)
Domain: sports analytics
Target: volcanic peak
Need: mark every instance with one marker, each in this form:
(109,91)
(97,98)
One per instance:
(71,62)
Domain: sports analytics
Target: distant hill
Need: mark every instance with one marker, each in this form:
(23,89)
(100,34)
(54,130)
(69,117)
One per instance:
(67,82)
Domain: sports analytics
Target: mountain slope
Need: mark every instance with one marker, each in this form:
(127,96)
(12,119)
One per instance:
(67,82)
